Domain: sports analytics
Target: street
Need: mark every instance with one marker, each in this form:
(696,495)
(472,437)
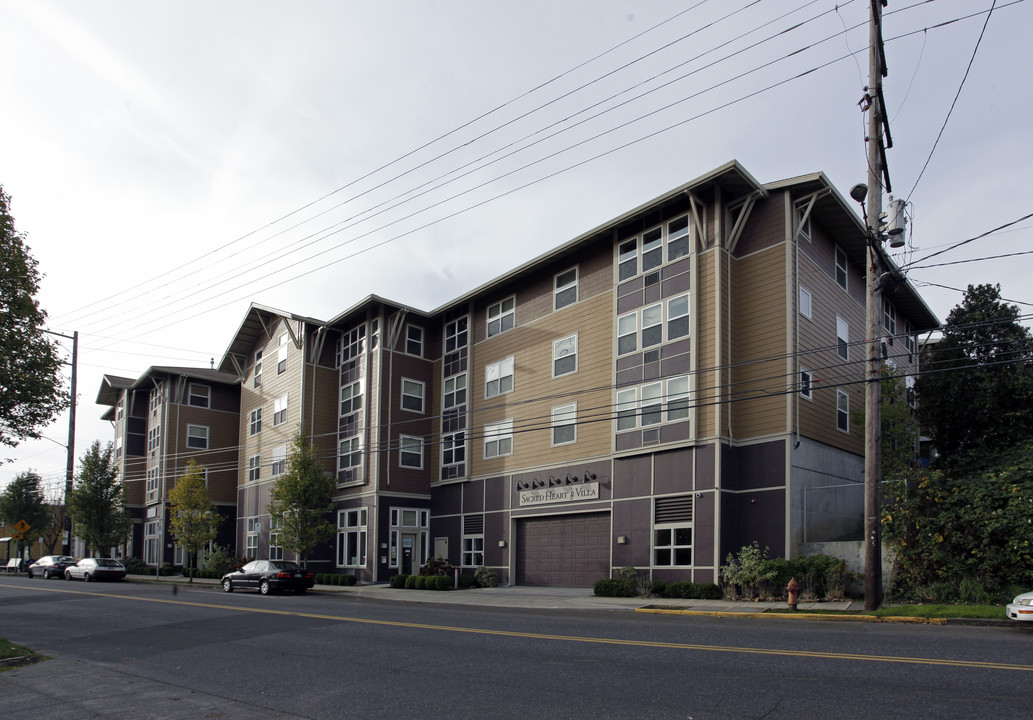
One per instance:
(199,652)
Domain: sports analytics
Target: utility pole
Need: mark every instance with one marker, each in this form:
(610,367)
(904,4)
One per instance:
(873,389)
(66,546)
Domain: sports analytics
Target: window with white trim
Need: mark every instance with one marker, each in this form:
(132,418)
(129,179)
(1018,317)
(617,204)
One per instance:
(254,425)
(644,253)
(281,354)
(150,542)
(258,369)
(843,411)
(453,448)
(841,268)
(649,404)
(473,550)
(120,409)
(410,452)
(564,424)
(651,398)
(414,340)
(889,317)
(454,391)
(254,468)
(197,437)
(154,401)
(152,482)
(251,539)
(276,539)
(565,290)
(456,334)
(842,338)
(677,238)
(501,316)
(351,398)
(199,395)
(498,439)
(153,438)
(350,345)
(408,520)
(652,325)
(652,249)
(498,378)
(805,302)
(351,537)
(627,333)
(349,453)
(678,317)
(806,381)
(412,395)
(564,356)
(627,409)
(280,410)
(672,531)
(678,403)
(118,447)
(279,464)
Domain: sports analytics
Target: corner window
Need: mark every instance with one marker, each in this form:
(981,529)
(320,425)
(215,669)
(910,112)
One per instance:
(351,344)
(412,395)
(414,340)
(805,384)
(564,356)
(498,378)
(498,439)
(455,391)
(842,338)
(280,410)
(456,334)
(565,289)
(254,468)
(842,411)
(501,316)
(453,448)
(200,395)
(564,424)
(841,268)
(351,398)
(281,354)
(197,437)
(349,453)
(805,302)
(255,422)
(410,452)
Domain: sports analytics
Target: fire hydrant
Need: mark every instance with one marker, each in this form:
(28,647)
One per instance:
(793,589)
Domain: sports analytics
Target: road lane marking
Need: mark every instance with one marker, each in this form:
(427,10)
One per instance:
(562,638)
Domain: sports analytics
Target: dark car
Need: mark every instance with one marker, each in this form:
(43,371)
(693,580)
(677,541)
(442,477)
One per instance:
(268,576)
(51,566)
(96,569)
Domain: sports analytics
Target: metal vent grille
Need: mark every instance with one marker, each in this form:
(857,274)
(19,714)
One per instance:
(673,509)
(473,525)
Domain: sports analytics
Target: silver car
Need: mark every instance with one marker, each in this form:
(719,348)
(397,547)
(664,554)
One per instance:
(96,569)
(51,566)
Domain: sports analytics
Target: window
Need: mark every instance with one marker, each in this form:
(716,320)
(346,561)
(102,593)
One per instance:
(153,438)
(279,466)
(281,354)
(672,531)
(254,468)
(118,447)
(251,541)
(120,409)
(351,538)
(627,334)
(410,452)
(453,448)
(627,409)
(258,368)
(805,302)
(566,289)
(498,378)
(154,401)
(909,341)
(255,422)
(564,424)
(408,518)
(842,338)
(280,410)
(677,317)
(889,317)
(199,395)
(841,265)
(349,453)
(627,259)
(351,398)
(275,539)
(501,316)
(473,551)
(150,545)
(152,480)
(805,384)
(652,249)
(455,391)
(652,325)
(678,238)
(350,346)
(498,439)
(678,398)
(564,356)
(651,403)
(455,334)
(197,437)
(414,340)
(412,395)
(843,411)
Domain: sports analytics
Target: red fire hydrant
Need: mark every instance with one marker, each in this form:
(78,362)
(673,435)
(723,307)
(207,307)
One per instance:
(793,589)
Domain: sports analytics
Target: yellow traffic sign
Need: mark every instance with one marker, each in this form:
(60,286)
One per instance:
(22,527)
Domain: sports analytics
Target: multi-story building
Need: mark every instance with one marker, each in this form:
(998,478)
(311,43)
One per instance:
(162,420)
(680,381)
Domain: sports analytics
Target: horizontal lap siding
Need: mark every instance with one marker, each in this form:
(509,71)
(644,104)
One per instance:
(706,382)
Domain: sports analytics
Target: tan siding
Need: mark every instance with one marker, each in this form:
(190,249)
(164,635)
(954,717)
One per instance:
(707,382)
(321,412)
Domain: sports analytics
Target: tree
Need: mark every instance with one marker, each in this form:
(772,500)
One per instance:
(194,520)
(301,500)
(899,426)
(31,386)
(22,501)
(976,390)
(96,504)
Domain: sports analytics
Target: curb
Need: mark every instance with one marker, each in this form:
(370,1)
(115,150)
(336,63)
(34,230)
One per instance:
(802,616)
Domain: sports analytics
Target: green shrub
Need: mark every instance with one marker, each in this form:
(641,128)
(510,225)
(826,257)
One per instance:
(746,571)
(613,587)
(421,582)
(437,566)
(410,582)
(486,577)
(398,581)
(348,580)
(444,582)
(135,566)
(166,568)
(657,588)
(222,560)
(467,580)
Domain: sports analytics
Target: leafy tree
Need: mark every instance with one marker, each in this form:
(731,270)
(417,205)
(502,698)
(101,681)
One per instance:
(193,520)
(301,500)
(97,501)
(899,426)
(31,387)
(976,390)
(22,500)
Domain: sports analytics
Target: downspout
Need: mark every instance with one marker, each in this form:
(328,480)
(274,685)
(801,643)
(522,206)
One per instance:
(794,367)
(718,359)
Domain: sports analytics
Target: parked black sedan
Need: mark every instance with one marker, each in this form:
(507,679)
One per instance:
(51,566)
(268,576)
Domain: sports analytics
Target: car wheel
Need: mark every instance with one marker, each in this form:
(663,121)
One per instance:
(46,574)
(68,575)
(32,576)
(227,585)
(264,588)
(86,577)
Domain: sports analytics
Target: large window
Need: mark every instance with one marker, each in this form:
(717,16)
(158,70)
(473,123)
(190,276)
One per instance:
(197,437)
(473,550)
(199,395)
(406,521)
(498,439)
(350,346)
(653,403)
(678,238)
(251,538)
(351,398)
(351,538)
(842,338)
(279,465)
(414,340)
(152,482)
(455,391)
(564,356)
(153,438)
(151,542)
(456,334)
(645,252)
(660,322)
(565,289)
(254,468)
(280,410)
(498,378)
(501,316)
(276,539)
(255,421)
(410,452)
(349,453)
(412,395)
(281,354)
(678,403)
(842,411)
(453,448)
(672,531)
(677,317)
(564,424)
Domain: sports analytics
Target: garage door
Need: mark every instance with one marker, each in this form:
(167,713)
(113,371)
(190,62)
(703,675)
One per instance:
(564,551)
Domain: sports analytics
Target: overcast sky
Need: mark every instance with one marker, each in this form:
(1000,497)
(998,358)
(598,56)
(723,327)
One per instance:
(171,162)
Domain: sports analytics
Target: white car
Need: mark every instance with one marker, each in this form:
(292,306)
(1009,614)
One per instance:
(1021,608)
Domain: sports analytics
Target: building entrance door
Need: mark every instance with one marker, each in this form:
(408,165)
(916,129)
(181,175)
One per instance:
(410,565)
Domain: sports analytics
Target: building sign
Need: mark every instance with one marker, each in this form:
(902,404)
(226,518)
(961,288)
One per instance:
(559,494)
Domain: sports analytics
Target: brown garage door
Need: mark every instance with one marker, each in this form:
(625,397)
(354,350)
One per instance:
(564,551)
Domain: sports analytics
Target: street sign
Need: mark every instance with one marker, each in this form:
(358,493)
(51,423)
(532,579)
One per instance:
(18,536)
(22,527)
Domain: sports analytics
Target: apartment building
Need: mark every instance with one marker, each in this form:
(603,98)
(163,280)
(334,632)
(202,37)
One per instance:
(162,420)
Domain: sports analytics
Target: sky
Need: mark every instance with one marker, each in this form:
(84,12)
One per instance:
(172,162)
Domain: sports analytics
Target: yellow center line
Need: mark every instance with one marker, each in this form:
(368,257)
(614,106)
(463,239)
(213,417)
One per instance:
(564,638)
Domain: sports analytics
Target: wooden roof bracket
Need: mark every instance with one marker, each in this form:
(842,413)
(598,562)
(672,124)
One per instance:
(745,208)
(811,199)
(235,359)
(696,208)
(295,336)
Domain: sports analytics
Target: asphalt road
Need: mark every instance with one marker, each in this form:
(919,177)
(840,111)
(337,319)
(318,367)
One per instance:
(131,650)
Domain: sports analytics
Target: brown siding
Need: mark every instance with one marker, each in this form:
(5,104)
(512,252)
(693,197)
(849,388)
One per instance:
(707,382)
